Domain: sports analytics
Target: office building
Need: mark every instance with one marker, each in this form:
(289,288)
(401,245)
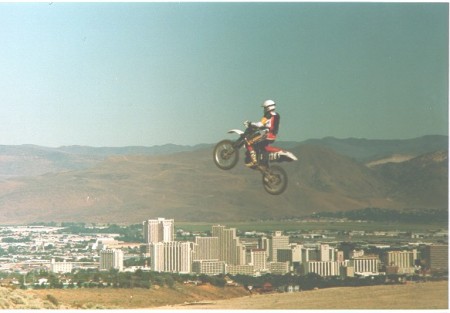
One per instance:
(240,269)
(365,264)
(436,257)
(231,251)
(61,267)
(296,252)
(173,256)
(277,242)
(322,268)
(327,253)
(279,268)
(404,261)
(259,259)
(111,259)
(158,230)
(206,248)
(208,267)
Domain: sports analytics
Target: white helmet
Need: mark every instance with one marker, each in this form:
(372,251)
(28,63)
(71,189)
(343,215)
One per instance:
(269,105)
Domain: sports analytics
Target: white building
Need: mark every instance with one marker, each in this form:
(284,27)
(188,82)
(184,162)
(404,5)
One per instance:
(279,268)
(240,269)
(327,253)
(403,259)
(173,256)
(277,242)
(231,251)
(111,259)
(258,259)
(366,264)
(61,267)
(206,248)
(322,268)
(158,230)
(208,267)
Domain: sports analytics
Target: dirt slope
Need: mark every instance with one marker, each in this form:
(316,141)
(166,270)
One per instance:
(430,295)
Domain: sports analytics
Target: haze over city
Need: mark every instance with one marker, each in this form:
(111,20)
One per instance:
(122,74)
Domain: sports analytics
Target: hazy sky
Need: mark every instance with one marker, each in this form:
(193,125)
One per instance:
(120,74)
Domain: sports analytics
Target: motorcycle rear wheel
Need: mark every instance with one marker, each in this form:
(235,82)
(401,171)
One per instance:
(225,155)
(275,180)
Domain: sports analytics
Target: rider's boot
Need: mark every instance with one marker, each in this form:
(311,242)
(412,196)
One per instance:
(253,160)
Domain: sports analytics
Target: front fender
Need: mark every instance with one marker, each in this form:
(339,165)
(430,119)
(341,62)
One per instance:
(236,131)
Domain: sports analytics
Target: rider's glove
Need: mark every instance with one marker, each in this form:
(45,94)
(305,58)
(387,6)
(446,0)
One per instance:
(247,124)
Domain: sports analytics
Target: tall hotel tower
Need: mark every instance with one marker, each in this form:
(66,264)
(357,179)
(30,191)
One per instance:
(277,242)
(159,230)
(230,249)
(111,259)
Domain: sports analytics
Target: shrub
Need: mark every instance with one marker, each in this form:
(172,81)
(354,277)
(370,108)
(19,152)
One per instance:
(53,300)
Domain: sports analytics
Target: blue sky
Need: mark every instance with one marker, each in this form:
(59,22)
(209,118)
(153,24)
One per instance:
(121,74)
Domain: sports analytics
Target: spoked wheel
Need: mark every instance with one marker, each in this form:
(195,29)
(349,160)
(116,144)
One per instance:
(225,155)
(275,180)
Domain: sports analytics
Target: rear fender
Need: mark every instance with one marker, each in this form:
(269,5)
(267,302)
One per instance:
(281,156)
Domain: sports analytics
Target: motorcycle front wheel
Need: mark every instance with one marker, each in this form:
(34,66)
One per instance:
(225,155)
(275,180)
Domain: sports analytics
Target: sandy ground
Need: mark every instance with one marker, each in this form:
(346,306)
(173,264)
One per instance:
(430,295)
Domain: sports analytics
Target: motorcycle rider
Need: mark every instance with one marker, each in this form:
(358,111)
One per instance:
(268,126)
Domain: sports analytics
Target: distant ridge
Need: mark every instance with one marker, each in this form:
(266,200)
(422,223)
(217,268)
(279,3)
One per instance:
(370,149)
(187,186)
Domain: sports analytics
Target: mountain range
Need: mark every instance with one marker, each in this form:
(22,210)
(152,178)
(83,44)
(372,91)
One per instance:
(131,184)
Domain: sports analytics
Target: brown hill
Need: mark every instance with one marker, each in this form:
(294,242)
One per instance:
(421,181)
(188,187)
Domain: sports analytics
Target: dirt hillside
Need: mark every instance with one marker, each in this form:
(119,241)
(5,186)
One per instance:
(429,295)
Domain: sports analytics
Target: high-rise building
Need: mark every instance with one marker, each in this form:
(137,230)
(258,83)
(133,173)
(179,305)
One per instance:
(206,248)
(296,252)
(436,257)
(208,267)
(230,249)
(366,264)
(259,259)
(158,230)
(277,241)
(322,268)
(310,254)
(111,259)
(327,253)
(173,256)
(403,260)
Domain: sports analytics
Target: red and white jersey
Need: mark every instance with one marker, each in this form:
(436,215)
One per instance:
(271,121)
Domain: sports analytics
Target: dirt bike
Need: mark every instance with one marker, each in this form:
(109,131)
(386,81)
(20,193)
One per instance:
(274,178)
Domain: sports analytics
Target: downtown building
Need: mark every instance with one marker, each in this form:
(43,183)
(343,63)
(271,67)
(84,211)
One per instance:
(365,265)
(111,259)
(436,257)
(402,261)
(208,267)
(61,267)
(166,255)
(277,242)
(231,251)
(172,256)
(206,248)
(158,230)
(258,258)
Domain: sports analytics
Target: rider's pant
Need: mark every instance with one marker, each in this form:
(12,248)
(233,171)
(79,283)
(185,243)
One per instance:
(258,143)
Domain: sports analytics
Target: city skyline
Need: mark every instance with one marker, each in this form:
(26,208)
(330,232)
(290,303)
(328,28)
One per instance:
(144,74)
(224,252)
